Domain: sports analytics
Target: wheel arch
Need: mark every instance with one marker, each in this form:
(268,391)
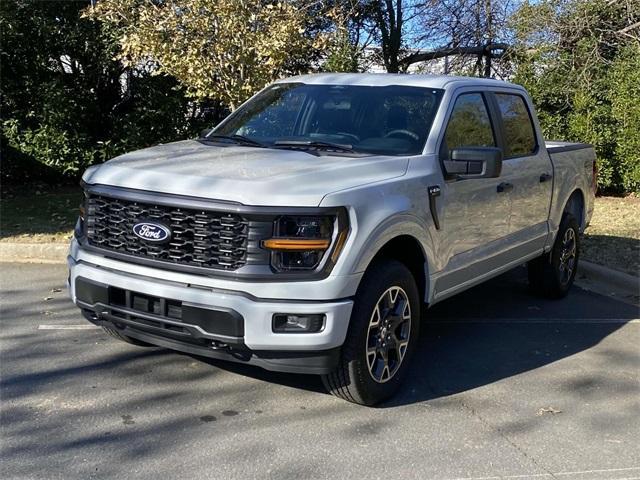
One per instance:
(408,250)
(575,205)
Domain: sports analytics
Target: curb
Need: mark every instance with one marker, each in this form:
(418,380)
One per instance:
(600,273)
(608,281)
(34,252)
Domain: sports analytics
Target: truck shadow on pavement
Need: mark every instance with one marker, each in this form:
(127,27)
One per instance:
(95,406)
(500,329)
(491,332)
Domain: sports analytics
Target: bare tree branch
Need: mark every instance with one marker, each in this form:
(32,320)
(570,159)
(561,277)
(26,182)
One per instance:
(486,50)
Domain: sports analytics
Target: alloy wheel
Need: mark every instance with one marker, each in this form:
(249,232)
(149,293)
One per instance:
(567,256)
(388,334)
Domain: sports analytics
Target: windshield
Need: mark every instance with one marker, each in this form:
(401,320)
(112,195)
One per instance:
(392,120)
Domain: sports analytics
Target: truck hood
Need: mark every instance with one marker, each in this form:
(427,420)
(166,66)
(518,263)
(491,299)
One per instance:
(251,176)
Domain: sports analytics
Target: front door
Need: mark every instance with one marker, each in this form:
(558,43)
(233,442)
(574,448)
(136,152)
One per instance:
(476,212)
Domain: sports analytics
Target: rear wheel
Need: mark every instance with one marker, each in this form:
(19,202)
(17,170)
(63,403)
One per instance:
(552,275)
(125,338)
(383,332)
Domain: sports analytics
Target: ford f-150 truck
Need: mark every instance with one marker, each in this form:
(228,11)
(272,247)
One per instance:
(310,230)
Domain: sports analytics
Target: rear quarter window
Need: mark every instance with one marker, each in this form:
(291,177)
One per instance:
(520,137)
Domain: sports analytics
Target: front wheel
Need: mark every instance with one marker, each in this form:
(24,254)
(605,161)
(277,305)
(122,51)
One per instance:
(552,274)
(383,332)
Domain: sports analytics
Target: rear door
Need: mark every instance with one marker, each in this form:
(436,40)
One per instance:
(529,169)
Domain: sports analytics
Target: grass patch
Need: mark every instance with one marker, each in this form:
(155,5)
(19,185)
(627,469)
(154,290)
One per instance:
(42,217)
(613,237)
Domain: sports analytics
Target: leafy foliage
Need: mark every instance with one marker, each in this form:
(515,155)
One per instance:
(223,49)
(581,66)
(624,95)
(343,52)
(66,103)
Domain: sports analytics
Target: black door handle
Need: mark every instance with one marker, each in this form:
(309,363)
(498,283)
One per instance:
(545,177)
(505,187)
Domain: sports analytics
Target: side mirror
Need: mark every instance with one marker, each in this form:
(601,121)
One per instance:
(474,162)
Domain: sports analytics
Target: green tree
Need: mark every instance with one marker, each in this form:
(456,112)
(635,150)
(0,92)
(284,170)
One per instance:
(342,43)
(217,49)
(66,103)
(579,61)
(57,81)
(624,95)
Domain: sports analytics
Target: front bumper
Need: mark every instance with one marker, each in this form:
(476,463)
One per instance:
(307,362)
(257,344)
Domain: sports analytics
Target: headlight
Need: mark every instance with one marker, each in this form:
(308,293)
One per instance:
(303,243)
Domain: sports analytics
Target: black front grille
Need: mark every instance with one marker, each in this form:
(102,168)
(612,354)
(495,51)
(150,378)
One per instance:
(198,238)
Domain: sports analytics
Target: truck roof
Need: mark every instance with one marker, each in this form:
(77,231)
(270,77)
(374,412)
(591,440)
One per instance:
(385,79)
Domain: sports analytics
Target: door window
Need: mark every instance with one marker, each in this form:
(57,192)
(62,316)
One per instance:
(520,138)
(469,125)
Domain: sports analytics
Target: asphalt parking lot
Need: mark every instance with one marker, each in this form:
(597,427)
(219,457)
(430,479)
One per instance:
(504,385)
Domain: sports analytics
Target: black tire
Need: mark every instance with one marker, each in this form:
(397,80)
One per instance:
(124,338)
(353,380)
(549,275)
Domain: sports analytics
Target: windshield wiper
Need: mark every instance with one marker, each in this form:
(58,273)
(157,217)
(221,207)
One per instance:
(239,139)
(341,147)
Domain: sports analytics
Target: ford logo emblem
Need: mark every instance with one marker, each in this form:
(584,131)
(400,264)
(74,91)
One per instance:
(151,231)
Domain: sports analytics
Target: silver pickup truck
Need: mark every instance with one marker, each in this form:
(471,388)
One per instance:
(310,231)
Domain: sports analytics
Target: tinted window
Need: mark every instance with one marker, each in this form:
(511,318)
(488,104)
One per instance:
(391,120)
(469,125)
(519,134)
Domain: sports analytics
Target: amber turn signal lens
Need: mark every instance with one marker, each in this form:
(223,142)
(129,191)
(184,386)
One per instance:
(296,244)
(342,238)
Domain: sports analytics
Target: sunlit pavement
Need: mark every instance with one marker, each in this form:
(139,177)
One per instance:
(504,385)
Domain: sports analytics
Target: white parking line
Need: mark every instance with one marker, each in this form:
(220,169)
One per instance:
(68,327)
(558,474)
(577,321)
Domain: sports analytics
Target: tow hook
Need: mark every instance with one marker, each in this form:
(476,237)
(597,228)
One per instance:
(216,345)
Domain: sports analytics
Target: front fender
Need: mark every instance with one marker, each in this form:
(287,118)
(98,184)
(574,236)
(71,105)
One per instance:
(390,228)
(401,225)
(386,210)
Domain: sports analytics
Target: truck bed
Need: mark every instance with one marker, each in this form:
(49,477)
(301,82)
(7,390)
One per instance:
(573,166)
